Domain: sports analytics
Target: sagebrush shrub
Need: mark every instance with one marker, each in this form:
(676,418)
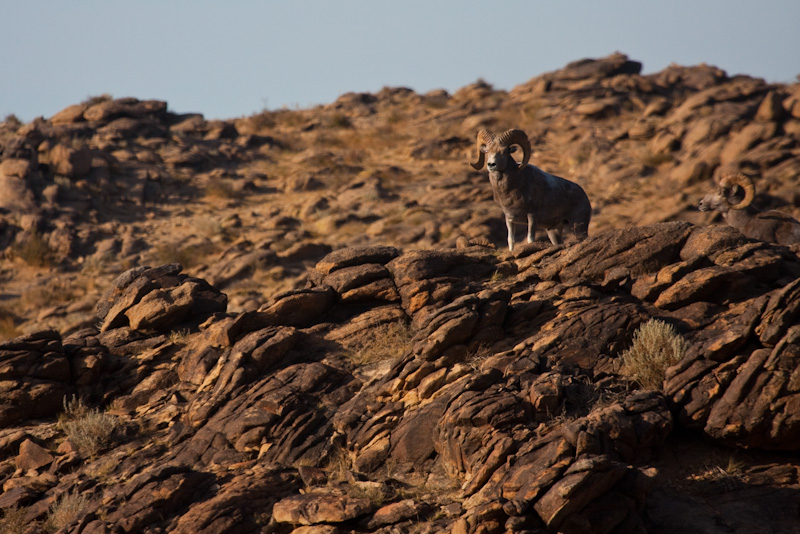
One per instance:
(65,511)
(14,521)
(90,430)
(656,346)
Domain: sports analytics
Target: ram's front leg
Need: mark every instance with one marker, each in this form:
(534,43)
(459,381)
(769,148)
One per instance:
(510,226)
(531,227)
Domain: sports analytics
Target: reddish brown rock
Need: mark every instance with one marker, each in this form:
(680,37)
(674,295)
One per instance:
(583,482)
(394,513)
(347,278)
(69,114)
(311,508)
(240,502)
(298,307)
(157,299)
(32,456)
(316,529)
(124,107)
(35,377)
(16,167)
(350,256)
(161,309)
(428,279)
(71,162)
(638,250)
(15,193)
(153,494)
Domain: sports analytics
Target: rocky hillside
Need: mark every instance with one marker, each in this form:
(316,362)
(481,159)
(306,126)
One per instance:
(305,321)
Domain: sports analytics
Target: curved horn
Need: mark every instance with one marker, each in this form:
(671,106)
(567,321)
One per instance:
(743,181)
(485,137)
(517,137)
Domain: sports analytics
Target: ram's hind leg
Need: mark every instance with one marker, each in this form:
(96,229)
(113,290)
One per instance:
(554,235)
(581,230)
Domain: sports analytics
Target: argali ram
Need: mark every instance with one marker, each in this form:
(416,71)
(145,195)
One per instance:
(734,198)
(528,194)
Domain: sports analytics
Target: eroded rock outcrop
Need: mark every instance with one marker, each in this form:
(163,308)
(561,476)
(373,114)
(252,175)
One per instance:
(418,379)
(36,378)
(495,391)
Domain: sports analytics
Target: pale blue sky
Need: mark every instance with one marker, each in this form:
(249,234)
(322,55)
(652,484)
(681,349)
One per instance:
(231,59)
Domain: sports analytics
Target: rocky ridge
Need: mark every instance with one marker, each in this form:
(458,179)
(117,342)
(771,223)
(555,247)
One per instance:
(340,361)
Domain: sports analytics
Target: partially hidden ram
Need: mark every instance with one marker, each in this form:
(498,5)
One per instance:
(528,194)
(733,199)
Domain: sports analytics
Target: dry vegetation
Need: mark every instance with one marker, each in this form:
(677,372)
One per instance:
(656,346)
(728,475)
(89,429)
(8,324)
(13,521)
(34,250)
(384,342)
(65,511)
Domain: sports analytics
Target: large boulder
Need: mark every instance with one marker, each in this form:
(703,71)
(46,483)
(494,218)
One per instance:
(157,299)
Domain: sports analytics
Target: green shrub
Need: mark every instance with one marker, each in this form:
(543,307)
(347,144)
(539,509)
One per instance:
(656,346)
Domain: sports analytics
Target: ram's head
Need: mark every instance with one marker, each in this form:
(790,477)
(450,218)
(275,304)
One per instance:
(729,194)
(495,151)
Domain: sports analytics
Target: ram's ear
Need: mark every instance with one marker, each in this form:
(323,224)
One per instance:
(512,149)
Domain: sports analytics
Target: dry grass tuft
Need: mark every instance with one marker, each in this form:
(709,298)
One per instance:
(35,251)
(65,511)
(222,188)
(97,99)
(12,121)
(90,430)
(188,256)
(339,120)
(52,292)
(480,354)
(374,492)
(651,159)
(13,521)
(178,337)
(338,464)
(208,227)
(656,346)
(386,341)
(8,325)
(729,477)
